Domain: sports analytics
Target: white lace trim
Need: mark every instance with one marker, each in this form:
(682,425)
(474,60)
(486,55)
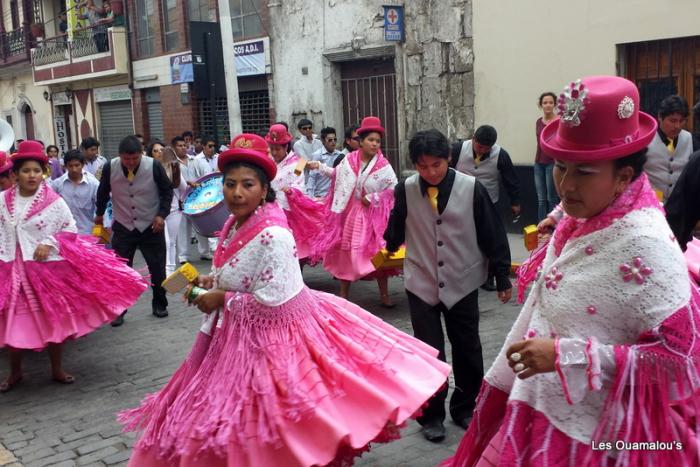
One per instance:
(348,184)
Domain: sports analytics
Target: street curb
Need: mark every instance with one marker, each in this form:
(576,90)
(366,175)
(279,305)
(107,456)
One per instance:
(7,459)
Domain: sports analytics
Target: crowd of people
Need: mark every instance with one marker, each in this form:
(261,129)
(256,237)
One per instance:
(283,375)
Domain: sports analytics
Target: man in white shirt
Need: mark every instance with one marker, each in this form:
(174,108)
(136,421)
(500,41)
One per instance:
(206,161)
(307,144)
(78,188)
(93,160)
(318,184)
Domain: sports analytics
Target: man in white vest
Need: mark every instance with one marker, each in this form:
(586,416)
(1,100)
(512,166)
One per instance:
(141,196)
(452,234)
(671,147)
(490,164)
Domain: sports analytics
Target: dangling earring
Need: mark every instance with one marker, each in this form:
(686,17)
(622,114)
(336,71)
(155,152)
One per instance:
(262,202)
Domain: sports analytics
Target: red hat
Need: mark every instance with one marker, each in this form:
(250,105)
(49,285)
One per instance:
(599,120)
(278,134)
(5,162)
(249,148)
(33,150)
(370,124)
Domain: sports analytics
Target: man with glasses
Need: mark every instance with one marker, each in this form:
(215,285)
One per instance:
(307,144)
(317,185)
(205,162)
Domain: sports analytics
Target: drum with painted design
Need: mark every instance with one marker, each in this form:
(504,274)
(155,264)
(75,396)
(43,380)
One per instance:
(204,205)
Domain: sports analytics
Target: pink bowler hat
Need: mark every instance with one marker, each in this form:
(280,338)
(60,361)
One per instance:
(370,124)
(599,119)
(278,135)
(5,162)
(250,148)
(33,150)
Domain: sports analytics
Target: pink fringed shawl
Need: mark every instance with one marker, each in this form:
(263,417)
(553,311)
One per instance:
(343,186)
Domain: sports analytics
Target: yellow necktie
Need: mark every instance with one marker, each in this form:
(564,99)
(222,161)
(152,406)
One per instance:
(671,147)
(477,159)
(130,176)
(433,197)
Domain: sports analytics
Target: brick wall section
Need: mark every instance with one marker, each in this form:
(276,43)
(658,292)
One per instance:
(176,116)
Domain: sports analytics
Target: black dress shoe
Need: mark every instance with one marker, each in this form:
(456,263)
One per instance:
(160,312)
(433,431)
(119,321)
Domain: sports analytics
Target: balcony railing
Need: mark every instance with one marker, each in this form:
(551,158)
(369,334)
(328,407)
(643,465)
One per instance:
(15,45)
(85,42)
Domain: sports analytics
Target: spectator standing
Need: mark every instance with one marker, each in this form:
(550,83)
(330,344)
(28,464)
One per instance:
(55,164)
(307,144)
(93,160)
(78,188)
(318,183)
(547,197)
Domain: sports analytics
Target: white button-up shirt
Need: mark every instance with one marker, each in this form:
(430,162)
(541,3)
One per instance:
(306,149)
(80,198)
(318,183)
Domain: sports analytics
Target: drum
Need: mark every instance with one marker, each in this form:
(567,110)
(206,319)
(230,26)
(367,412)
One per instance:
(204,205)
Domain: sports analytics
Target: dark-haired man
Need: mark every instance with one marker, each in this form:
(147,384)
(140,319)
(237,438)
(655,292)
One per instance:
(93,160)
(307,144)
(482,158)
(141,196)
(318,184)
(671,147)
(78,188)
(452,233)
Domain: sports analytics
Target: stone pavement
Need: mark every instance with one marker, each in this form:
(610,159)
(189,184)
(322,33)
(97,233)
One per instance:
(47,424)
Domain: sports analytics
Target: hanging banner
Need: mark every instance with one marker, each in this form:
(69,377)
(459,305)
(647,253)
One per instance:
(181,68)
(59,124)
(75,9)
(250,57)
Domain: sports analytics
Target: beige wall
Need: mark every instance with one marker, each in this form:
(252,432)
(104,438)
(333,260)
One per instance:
(524,48)
(14,93)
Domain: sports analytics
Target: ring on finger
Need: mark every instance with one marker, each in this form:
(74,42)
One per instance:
(515,357)
(519,367)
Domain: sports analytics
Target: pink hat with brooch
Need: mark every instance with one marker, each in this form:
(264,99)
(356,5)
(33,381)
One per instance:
(278,135)
(599,119)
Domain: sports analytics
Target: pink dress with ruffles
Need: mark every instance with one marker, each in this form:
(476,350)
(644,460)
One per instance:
(283,375)
(613,292)
(353,233)
(80,287)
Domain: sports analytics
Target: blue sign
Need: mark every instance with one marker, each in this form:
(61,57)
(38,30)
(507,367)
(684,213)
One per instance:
(181,70)
(393,23)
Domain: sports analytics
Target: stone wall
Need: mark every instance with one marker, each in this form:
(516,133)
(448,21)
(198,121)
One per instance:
(434,67)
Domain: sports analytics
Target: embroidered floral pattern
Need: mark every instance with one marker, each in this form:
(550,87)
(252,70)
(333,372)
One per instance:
(266,275)
(265,238)
(551,280)
(637,271)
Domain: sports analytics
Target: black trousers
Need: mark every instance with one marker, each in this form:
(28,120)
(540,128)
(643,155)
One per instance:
(462,325)
(152,246)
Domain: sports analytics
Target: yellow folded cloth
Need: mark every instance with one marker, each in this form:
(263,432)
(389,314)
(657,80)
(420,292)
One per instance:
(384,259)
(100,232)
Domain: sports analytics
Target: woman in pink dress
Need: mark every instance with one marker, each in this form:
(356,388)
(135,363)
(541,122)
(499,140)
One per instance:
(304,215)
(357,212)
(602,366)
(56,285)
(279,375)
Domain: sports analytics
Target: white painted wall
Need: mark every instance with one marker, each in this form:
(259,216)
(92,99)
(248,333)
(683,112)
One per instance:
(18,89)
(524,48)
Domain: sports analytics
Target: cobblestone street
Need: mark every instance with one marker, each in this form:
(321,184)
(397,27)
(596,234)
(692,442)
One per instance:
(47,424)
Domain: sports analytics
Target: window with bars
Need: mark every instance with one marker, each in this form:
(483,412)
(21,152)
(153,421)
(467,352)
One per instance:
(255,115)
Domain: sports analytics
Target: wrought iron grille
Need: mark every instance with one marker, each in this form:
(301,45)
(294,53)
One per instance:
(14,43)
(255,115)
(50,51)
